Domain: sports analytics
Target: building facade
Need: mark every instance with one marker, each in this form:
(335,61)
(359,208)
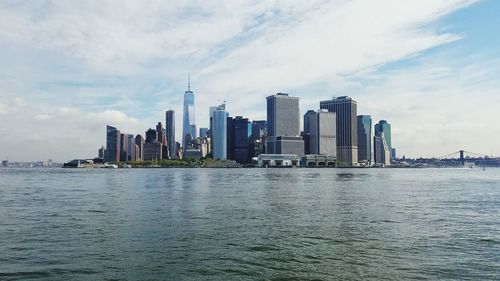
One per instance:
(113,144)
(139,141)
(242,130)
(170,132)
(346,127)
(188,121)
(365,138)
(320,132)
(384,127)
(219,134)
(283,125)
(381,149)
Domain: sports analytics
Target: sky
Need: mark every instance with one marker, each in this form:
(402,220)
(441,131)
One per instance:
(69,68)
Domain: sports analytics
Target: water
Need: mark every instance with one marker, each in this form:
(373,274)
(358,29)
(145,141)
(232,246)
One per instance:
(249,224)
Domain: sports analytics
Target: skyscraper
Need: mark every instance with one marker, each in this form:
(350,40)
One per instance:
(283,125)
(365,138)
(188,115)
(170,132)
(139,141)
(347,134)
(242,130)
(230,138)
(382,153)
(320,132)
(112,144)
(384,127)
(132,148)
(151,136)
(219,134)
(203,132)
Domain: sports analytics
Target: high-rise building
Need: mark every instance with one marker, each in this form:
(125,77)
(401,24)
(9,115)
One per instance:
(170,132)
(384,127)
(112,144)
(365,138)
(242,130)
(381,149)
(100,153)
(123,147)
(139,141)
(219,133)
(259,129)
(230,138)
(320,132)
(132,148)
(203,132)
(347,125)
(283,125)
(151,136)
(162,136)
(188,115)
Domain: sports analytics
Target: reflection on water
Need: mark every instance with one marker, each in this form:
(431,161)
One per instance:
(265,224)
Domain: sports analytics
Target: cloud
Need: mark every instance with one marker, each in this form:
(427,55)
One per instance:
(78,66)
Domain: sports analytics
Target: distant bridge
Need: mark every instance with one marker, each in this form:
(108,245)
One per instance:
(462,156)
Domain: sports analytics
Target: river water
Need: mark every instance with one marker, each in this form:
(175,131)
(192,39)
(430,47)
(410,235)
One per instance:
(249,224)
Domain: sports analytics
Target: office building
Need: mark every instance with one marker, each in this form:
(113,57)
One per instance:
(100,153)
(259,129)
(132,149)
(139,141)
(381,149)
(345,109)
(320,132)
(151,136)
(113,144)
(283,125)
(203,133)
(230,138)
(170,132)
(153,151)
(365,139)
(219,133)
(384,127)
(242,130)
(188,115)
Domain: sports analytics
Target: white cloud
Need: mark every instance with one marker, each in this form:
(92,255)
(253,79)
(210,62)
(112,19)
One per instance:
(79,65)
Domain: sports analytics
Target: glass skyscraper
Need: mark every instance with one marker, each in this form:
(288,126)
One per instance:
(219,134)
(347,125)
(170,132)
(365,138)
(319,130)
(384,127)
(113,145)
(188,121)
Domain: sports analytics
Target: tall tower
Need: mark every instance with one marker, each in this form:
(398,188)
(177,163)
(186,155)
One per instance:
(219,134)
(384,127)
(113,144)
(170,128)
(365,138)
(283,125)
(347,126)
(188,122)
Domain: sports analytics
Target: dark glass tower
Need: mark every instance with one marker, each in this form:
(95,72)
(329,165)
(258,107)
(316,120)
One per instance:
(242,128)
(112,144)
(365,138)
(170,132)
(384,127)
(347,124)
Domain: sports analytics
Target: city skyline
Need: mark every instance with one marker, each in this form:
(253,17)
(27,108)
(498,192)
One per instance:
(429,67)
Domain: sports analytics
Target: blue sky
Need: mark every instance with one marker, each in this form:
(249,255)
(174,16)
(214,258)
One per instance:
(69,68)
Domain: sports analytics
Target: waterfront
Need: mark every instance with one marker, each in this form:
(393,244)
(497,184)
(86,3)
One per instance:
(249,224)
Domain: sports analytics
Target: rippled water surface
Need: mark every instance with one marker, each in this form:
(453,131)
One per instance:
(249,224)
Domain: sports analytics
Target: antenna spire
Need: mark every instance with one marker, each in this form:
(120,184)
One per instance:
(189,82)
